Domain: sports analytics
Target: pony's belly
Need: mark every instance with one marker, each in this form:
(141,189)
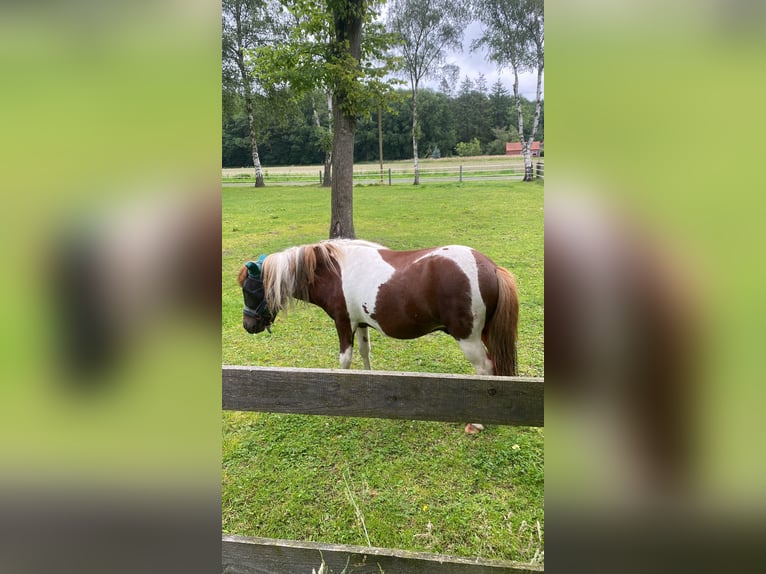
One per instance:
(410,327)
(412,330)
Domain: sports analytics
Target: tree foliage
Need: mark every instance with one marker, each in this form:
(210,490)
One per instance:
(513,36)
(290,137)
(427,29)
(316,54)
(245,25)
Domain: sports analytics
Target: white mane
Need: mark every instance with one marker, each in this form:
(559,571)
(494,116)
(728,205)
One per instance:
(287,275)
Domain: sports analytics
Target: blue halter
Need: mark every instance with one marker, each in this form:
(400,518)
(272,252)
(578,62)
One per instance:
(254,271)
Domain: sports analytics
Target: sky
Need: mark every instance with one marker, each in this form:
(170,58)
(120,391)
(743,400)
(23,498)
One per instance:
(475,63)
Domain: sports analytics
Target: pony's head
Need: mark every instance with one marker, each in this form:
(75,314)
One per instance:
(256,315)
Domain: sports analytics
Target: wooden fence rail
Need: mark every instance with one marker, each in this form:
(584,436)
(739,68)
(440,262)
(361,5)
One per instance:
(373,394)
(246,555)
(381,394)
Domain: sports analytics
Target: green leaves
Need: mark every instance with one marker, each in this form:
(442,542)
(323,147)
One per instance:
(317,55)
(513,32)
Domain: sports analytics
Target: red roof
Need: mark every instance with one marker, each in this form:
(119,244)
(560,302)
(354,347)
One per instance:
(515,147)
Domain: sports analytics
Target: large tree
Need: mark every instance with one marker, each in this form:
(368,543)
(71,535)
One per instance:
(335,44)
(427,28)
(246,24)
(514,36)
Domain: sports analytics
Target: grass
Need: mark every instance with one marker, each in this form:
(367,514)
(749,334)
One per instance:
(404,484)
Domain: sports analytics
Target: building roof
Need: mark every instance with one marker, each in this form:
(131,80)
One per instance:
(515,147)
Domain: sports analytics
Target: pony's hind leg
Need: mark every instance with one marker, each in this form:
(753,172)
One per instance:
(474,351)
(363,335)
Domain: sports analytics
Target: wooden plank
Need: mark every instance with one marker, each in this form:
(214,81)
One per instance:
(245,555)
(381,394)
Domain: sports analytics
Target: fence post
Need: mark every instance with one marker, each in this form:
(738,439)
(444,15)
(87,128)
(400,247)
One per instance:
(389,176)
(538,165)
(320,177)
(461,173)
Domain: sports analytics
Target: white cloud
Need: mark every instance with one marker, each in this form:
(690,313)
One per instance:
(473,63)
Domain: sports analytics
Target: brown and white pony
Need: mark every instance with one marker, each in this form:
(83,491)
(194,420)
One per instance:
(402,294)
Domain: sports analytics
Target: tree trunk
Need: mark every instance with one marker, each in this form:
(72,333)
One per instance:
(348,39)
(380,142)
(253,143)
(327,182)
(529,173)
(342,202)
(248,102)
(415,133)
(328,153)
(529,170)
(536,121)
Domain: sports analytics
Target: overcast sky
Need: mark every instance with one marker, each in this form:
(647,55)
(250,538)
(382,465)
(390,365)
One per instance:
(474,63)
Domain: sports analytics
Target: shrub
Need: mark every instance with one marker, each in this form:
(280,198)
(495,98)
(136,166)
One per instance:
(468,148)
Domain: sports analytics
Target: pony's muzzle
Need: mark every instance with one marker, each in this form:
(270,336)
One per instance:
(255,325)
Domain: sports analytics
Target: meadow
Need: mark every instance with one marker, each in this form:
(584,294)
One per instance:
(401,484)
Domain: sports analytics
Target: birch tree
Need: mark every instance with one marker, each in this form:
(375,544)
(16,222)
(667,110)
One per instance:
(246,24)
(514,36)
(428,29)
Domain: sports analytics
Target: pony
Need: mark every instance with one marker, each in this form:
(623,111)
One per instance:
(402,294)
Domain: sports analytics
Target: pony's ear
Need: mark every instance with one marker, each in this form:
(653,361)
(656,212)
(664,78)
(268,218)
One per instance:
(242,275)
(253,269)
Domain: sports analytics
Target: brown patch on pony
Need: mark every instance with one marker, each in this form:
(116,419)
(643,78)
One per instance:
(433,294)
(242,276)
(325,288)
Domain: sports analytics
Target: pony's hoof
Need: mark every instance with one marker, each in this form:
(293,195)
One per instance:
(473,428)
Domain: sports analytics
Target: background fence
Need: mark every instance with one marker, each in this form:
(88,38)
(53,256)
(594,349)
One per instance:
(512,169)
(376,394)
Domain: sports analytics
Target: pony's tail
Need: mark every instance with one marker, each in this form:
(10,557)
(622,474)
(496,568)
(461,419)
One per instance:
(502,327)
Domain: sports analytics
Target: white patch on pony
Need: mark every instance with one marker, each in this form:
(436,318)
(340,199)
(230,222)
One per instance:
(473,349)
(345,358)
(362,277)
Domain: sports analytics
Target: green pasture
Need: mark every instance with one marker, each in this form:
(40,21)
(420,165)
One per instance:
(411,485)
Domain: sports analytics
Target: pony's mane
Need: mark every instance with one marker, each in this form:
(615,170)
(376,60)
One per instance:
(287,275)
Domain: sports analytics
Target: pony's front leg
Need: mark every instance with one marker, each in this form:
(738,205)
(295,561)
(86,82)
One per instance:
(346,339)
(363,335)
(345,357)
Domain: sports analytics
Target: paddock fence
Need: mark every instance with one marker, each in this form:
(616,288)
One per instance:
(372,394)
(512,169)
